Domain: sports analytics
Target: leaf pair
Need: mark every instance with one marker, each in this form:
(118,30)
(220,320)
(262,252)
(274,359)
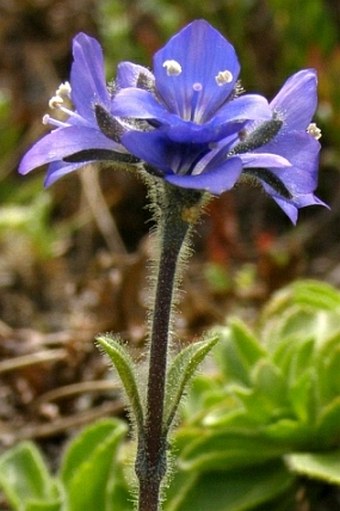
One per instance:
(179,374)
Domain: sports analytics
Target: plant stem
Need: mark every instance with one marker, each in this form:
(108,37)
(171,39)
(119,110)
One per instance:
(152,446)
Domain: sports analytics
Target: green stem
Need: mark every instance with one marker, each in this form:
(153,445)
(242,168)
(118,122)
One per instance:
(174,226)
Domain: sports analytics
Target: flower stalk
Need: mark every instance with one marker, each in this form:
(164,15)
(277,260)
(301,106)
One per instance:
(179,210)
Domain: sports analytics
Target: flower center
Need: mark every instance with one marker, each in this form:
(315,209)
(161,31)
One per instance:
(224,77)
(173,68)
(314,131)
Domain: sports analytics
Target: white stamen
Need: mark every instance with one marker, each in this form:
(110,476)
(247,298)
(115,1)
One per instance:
(62,92)
(55,102)
(224,77)
(197,86)
(46,119)
(64,89)
(173,68)
(314,131)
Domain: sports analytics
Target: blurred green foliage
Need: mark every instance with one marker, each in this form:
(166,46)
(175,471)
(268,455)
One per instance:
(266,414)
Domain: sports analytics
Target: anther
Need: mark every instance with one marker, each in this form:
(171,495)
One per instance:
(55,102)
(46,119)
(173,68)
(314,131)
(64,89)
(224,77)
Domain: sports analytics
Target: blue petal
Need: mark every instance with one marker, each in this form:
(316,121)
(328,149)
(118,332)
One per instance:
(129,73)
(88,76)
(296,102)
(140,104)
(246,107)
(56,170)
(302,151)
(291,207)
(215,181)
(264,160)
(64,142)
(155,148)
(203,53)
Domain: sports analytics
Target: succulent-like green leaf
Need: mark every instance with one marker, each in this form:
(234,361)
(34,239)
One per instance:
(121,491)
(87,465)
(237,352)
(125,367)
(237,490)
(25,480)
(323,466)
(328,427)
(181,370)
(302,396)
(228,449)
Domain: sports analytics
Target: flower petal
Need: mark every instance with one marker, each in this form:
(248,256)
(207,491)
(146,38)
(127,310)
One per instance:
(88,76)
(56,170)
(246,107)
(63,142)
(302,201)
(302,151)
(202,53)
(140,104)
(129,75)
(264,160)
(155,148)
(296,102)
(215,181)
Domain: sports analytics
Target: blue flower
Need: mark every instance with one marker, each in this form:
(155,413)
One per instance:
(188,121)
(203,135)
(88,133)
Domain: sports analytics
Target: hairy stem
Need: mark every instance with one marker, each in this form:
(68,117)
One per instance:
(174,226)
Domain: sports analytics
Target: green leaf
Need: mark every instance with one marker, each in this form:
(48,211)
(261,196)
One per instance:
(302,396)
(125,367)
(120,489)
(328,427)
(237,352)
(44,506)
(88,462)
(225,450)
(25,479)
(181,370)
(327,364)
(312,293)
(325,467)
(266,400)
(239,490)
(316,294)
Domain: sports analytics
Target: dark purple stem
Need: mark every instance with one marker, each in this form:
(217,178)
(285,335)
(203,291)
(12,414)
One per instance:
(151,457)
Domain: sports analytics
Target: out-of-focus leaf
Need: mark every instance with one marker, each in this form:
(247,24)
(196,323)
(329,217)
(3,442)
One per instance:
(323,466)
(87,465)
(26,481)
(225,450)
(238,351)
(328,427)
(239,490)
